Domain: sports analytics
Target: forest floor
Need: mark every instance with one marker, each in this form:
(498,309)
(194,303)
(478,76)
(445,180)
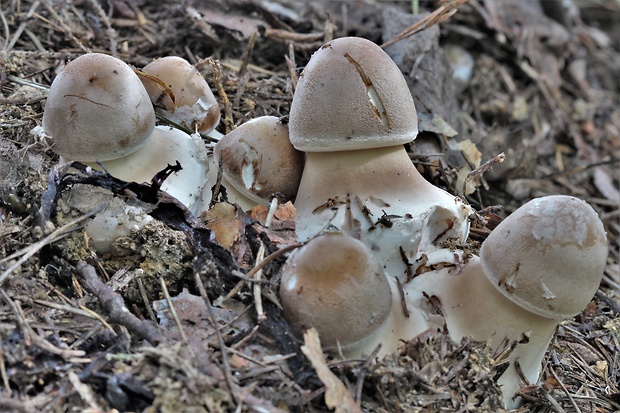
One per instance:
(537,81)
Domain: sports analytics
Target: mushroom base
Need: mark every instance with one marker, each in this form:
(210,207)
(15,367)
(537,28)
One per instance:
(379,197)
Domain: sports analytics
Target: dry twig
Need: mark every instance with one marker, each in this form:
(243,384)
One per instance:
(114,304)
(441,14)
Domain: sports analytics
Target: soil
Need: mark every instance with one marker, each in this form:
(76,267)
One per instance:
(80,331)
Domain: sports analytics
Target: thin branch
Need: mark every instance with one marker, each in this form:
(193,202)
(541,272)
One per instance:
(482,169)
(442,13)
(114,304)
(175,316)
(67,354)
(257,291)
(21,27)
(250,275)
(232,384)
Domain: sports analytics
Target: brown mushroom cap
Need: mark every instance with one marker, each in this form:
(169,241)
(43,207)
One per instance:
(351,95)
(194,104)
(335,284)
(97,109)
(259,160)
(548,256)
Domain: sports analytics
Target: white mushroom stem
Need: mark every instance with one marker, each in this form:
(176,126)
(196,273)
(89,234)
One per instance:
(404,323)
(473,307)
(167,146)
(378,196)
(115,221)
(119,217)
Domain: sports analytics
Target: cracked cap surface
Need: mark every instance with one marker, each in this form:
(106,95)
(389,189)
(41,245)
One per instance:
(351,95)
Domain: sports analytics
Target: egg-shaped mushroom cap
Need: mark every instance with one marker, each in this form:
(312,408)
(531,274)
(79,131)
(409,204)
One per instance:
(259,160)
(335,284)
(548,256)
(351,95)
(97,109)
(194,104)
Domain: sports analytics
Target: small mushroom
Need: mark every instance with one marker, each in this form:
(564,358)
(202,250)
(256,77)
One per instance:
(351,113)
(97,109)
(541,265)
(335,284)
(194,105)
(259,161)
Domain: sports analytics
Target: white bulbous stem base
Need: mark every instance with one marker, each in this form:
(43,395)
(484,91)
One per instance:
(473,307)
(398,328)
(379,197)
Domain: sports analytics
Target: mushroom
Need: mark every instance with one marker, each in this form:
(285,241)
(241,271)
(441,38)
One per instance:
(351,113)
(541,265)
(98,110)
(194,105)
(258,161)
(335,284)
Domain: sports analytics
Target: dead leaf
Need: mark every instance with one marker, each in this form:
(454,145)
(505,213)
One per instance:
(226,223)
(474,156)
(605,185)
(337,396)
(245,25)
(282,229)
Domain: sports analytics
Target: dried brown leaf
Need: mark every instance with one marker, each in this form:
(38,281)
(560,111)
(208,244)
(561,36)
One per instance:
(337,396)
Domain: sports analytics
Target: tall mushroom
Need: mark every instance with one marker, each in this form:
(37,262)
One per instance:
(351,113)
(541,265)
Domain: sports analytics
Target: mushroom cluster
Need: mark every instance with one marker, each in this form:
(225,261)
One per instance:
(379,240)
(98,110)
(363,285)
